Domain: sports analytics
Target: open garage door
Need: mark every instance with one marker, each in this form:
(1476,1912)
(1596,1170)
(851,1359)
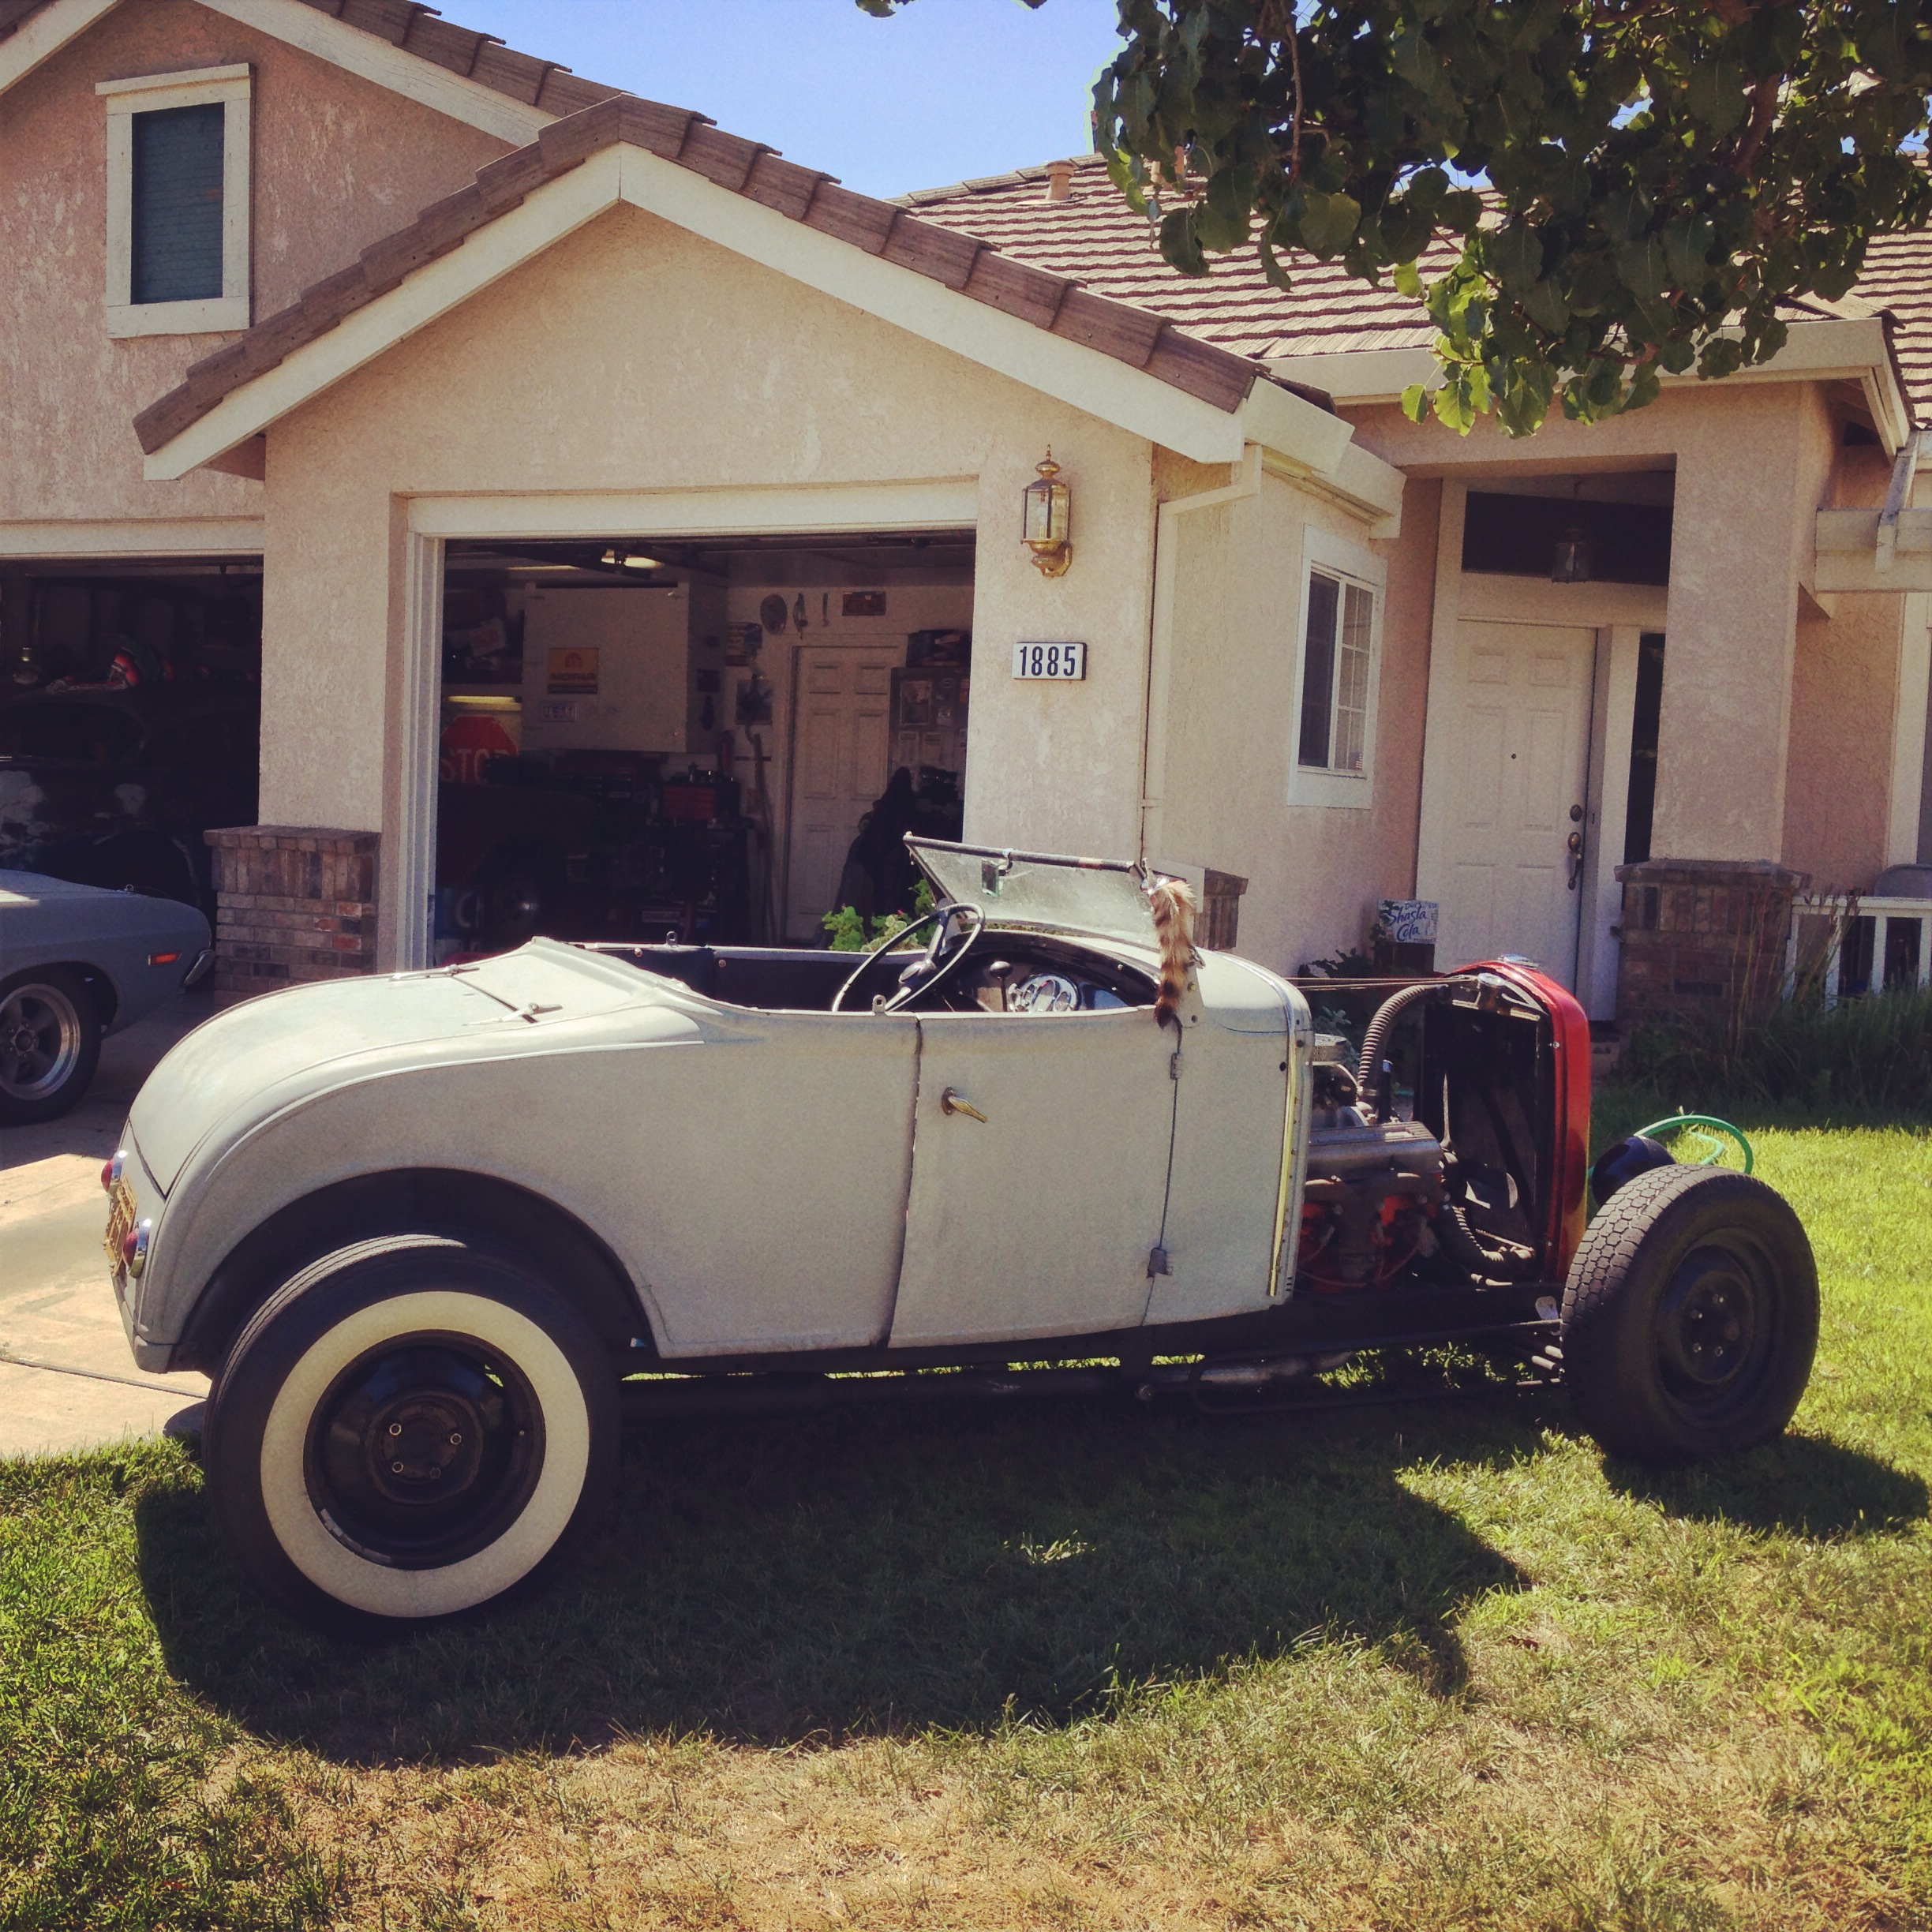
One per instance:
(723,740)
(130,706)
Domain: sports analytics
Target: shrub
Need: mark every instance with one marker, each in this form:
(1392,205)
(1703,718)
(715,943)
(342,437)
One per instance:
(1870,1054)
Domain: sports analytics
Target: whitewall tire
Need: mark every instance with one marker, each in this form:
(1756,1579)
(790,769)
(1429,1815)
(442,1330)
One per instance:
(409,1429)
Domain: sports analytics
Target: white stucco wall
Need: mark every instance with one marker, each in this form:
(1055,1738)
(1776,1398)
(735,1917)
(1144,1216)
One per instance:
(635,357)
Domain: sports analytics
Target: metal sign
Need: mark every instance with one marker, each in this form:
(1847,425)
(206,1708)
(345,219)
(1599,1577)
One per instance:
(1033,659)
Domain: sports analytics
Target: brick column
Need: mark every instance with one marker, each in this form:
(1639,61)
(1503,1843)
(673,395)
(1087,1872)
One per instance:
(292,902)
(1702,937)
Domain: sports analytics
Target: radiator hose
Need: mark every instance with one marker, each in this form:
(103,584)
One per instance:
(1368,1067)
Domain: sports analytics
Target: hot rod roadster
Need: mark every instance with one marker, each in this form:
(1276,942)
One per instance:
(431,1234)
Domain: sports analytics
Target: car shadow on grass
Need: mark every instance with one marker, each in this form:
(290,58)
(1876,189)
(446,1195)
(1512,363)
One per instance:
(1799,1485)
(778,1581)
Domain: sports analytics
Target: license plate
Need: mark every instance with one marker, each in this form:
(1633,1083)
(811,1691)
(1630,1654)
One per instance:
(120,1224)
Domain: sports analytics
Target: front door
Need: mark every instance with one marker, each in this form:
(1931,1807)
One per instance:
(842,737)
(1521,717)
(1039,1220)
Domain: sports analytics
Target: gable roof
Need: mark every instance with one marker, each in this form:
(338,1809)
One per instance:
(1046,304)
(1095,235)
(366,36)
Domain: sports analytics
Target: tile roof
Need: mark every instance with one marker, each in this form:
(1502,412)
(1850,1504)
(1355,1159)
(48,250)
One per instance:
(421,30)
(1055,300)
(1093,235)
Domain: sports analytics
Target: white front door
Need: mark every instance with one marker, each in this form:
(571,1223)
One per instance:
(841,738)
(1521,717)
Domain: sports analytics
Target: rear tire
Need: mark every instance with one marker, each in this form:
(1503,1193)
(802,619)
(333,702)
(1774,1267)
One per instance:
(408,1430)
(1690,1316)
(50,1044)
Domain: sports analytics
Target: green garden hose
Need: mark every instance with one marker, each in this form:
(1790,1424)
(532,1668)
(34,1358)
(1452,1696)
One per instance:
(1712,1147)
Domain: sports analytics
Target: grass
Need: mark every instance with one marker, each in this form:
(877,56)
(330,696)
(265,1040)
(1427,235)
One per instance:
(1075,1666)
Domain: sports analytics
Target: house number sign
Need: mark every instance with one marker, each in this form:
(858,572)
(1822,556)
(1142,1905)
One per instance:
(1064,661)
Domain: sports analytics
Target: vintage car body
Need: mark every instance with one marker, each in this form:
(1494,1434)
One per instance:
(77,964)
(1098,1142)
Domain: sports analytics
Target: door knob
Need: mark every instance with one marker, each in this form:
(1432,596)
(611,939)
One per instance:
(1574,844)
(951,1101)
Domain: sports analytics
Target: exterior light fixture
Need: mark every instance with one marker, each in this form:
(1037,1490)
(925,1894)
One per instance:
(1046,519)
(631,560)
(1569,562)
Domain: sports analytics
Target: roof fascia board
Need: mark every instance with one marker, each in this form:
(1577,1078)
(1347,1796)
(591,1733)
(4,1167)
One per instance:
(374,59)
(1848,551)
(545,217)
(1293,427)
(1069,372)
(1832,348)
(42,36)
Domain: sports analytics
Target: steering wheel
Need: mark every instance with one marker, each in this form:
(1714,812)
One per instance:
(955,928)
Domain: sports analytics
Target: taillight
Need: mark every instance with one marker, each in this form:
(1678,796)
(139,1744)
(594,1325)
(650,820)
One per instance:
(134,1247)
(111,1173)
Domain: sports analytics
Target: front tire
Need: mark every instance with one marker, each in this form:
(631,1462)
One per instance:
(1690,1316)
(50,1044)
(408,1430)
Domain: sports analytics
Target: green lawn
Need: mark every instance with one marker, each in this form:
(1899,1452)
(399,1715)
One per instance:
(1431,1666)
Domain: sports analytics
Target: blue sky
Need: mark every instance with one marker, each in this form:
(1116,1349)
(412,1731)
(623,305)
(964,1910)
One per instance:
(949,89)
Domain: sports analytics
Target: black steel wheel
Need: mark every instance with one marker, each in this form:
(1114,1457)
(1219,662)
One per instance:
(50,1044)
(1690,1316)
(408,1430)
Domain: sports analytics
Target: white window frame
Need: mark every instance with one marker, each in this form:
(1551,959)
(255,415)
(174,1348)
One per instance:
(1334,555)
(232,86)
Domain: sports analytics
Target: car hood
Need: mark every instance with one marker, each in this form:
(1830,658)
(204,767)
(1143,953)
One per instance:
(262,1053)
(41,911)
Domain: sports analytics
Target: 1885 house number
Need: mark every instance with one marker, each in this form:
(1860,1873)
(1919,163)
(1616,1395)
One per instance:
(1050,661)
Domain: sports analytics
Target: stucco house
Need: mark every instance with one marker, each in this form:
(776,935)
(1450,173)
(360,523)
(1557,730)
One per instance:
(547,421)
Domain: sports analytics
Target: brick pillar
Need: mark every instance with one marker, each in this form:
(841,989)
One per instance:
(1702,937)
(292,902)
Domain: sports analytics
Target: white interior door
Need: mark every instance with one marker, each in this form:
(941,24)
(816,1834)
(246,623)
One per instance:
(1521,717)
(841,738)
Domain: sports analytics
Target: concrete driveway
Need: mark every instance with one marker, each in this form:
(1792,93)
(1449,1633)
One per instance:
(66,1378)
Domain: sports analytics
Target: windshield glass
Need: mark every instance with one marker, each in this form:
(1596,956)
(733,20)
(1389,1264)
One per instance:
(1037,889)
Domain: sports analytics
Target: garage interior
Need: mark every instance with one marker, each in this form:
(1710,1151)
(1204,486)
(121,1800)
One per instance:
(644,739)
(130,694)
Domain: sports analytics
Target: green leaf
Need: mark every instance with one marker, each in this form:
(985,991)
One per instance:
(1408,281)
(1179,247)
(1415,402)
(1715,94)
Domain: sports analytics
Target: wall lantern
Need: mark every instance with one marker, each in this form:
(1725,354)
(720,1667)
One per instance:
(1046,518)
(1569,562)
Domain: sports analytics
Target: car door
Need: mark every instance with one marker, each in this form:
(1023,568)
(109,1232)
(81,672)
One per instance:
(1037,1220)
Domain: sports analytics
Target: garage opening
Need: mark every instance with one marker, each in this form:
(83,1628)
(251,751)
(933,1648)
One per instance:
(130,711)
(720,741)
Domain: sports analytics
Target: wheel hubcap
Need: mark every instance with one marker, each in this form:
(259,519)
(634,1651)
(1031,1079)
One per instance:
(424,1451)
(39,1042)
(1711,1325)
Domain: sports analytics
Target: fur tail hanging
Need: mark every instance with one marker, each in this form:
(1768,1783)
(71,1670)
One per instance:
(1172,901)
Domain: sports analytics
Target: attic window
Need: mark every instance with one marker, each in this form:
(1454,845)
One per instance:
(178,203)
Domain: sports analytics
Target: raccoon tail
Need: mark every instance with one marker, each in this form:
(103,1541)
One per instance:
(1172,901)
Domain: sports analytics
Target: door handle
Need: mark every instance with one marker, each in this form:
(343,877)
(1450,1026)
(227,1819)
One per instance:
(951,1101)
(1574,844)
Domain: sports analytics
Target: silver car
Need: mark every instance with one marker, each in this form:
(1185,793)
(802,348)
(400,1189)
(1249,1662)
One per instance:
(77,963)
(434,1234)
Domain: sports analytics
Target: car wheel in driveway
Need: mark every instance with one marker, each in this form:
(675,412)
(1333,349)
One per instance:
(409,1429)
(1690,1316)
(50,1043)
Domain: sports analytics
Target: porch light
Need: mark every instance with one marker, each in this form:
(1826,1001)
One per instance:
(1046,517)
(1569,562)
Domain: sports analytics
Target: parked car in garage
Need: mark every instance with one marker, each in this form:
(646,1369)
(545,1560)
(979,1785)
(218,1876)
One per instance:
(115,787)
(419,1229)
(77,963)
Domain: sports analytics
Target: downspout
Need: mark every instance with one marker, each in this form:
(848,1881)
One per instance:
(1160,640)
